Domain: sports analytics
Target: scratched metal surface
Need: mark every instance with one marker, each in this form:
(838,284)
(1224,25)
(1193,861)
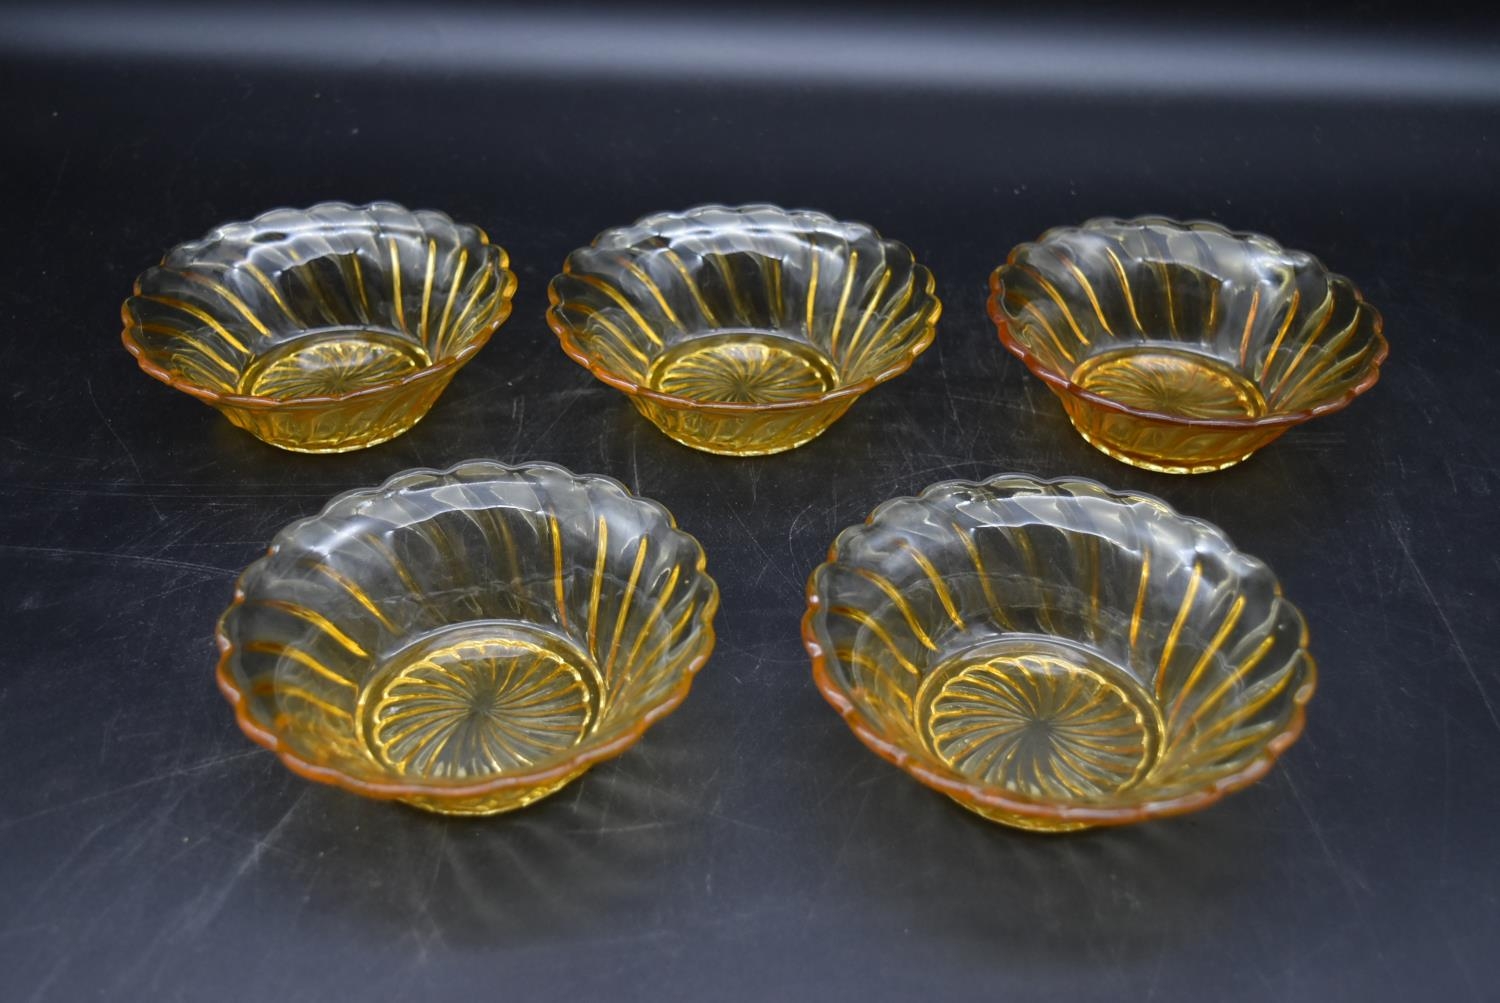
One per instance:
(749,847)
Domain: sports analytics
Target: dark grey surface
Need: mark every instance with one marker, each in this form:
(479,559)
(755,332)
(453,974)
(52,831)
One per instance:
(749,847)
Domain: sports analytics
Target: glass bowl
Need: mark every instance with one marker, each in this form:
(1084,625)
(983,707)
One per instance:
(1184,347)
(745,330)
(467,640)
(325,329)
(1054,655)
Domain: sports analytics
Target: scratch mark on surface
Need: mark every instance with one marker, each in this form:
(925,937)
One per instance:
(562,413)
(623,827)
(201,918)
(183,771)
(1437,606)
(742,823)
(1356,907)
(140,477)
(40,992)
(63,866)
(103,555)
(1156,970)
(62,170)
(837,860)
(767,561)
(439,853)
(792,527)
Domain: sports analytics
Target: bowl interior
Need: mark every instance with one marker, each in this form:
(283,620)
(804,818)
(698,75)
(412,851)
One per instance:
(1058,644)
(319,303)
(1186,321)
(747,306)
(461,627)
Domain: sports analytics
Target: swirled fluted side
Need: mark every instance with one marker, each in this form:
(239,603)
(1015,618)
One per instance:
(1184,346)
(747,329)
(1028,646)
(321,329)
(483,626)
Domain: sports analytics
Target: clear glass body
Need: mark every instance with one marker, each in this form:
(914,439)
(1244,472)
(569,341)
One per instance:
(321,330)
(470,640)
(1184,347)
(1055,655)
(745,330)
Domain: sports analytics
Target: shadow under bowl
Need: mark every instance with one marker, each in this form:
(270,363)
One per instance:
(1184,347)
(469,640)
(1054,655)
(743,330)
(321,330)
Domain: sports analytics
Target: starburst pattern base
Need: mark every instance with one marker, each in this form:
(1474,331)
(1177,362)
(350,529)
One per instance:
(1171,381)
(1174,382)
(751,369)
(743,367)
(1041,719)
(332,363)
(479,700)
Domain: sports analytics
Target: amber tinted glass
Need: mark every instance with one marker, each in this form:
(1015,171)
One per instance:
(468,640)
(323,329)
(1184,347)
(1056,655)
(743,330)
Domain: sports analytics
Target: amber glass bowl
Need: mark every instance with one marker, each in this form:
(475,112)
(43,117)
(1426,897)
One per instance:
(1184,347)
(1055,655)
(325,329)
(744,330)
(467,640)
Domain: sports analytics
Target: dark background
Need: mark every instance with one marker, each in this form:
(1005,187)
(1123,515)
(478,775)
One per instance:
(749,847)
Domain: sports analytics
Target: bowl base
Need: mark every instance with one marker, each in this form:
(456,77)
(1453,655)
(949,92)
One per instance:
(1160,465)
(286,435)
(475,701)
(755,371)
(1043,719)
(1027,822)
(742,435)
(1171,381)
(491,804)
(1181,385)
(743,367)
(332,362)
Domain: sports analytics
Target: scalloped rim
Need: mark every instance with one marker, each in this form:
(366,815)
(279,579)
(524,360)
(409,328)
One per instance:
(392,790)
(1063,383)
(596,365)
(949,782)
(447,364)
